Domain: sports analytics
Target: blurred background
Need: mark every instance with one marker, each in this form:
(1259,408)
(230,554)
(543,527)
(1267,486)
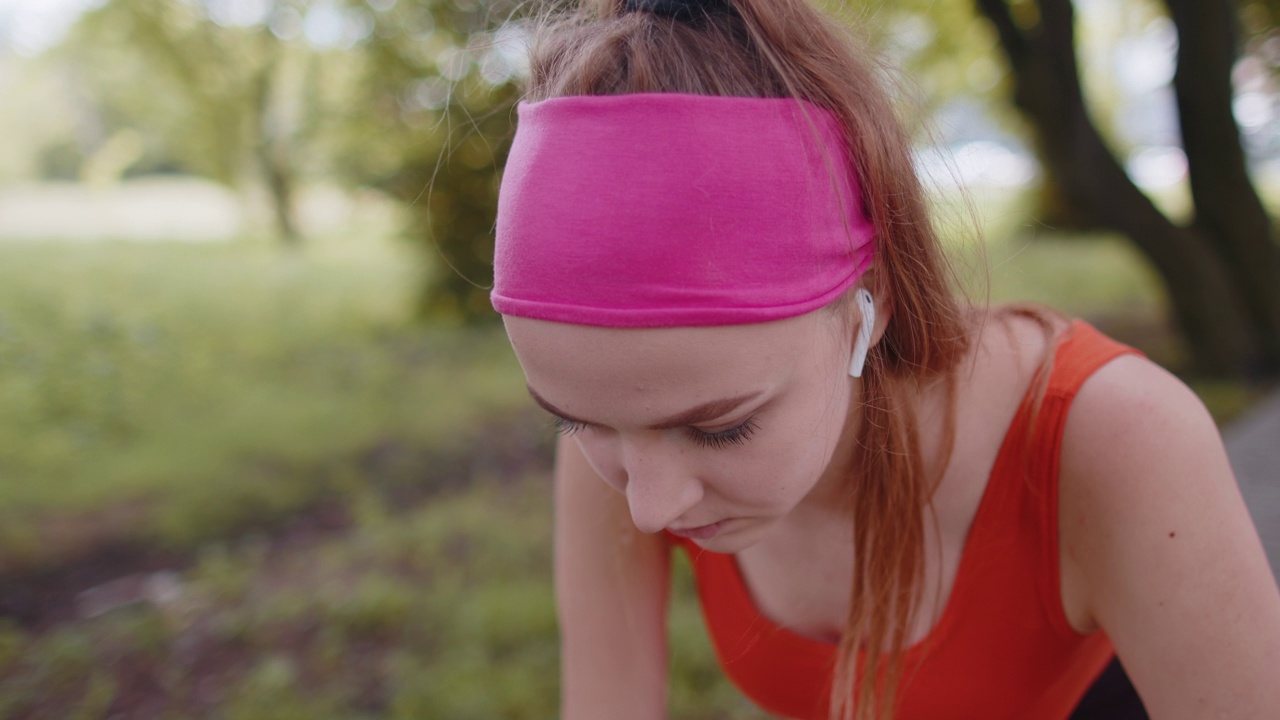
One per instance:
(264,452)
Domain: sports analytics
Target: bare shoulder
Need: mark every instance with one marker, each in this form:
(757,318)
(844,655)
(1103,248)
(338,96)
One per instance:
(1129,389)
(1161,548)
(1137,432)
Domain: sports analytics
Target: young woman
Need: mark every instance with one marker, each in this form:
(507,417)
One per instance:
(716,268)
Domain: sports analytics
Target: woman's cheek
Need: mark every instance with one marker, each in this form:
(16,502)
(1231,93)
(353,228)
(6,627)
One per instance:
(774,473)
(806,451)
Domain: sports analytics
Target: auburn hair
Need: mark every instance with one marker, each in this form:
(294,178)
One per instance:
(787,48)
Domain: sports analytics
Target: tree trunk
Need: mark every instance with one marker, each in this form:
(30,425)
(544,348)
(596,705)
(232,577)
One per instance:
(271,148)
(1047,91)
(280,187)
(1228,211)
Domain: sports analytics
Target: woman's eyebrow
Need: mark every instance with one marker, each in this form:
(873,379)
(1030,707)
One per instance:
(553,409)
(704,412)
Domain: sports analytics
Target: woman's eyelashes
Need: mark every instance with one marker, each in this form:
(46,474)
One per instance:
(736,435)
(566,427)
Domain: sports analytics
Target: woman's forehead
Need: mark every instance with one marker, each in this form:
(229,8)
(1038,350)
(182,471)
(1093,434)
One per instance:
(603,344)
(581,365)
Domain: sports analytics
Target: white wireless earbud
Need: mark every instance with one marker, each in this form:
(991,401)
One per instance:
(866,306)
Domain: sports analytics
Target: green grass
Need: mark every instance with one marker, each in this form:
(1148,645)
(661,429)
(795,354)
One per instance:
(1082,276)
(176,391)
(1002,256)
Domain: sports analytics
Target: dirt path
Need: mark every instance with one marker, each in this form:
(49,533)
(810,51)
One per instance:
(405,477)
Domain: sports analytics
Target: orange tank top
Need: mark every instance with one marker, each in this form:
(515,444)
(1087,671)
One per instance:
(1003,647)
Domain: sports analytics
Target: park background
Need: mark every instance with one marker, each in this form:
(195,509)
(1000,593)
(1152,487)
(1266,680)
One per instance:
(264,452)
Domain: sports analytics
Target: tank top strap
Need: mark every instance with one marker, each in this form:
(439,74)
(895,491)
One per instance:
(1081,351)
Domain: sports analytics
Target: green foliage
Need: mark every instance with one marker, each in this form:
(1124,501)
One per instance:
(416,101)
(1002,255)
(199,105)
(57,676)
(1260,23)
(378,605)
(940,49)
(272,691)
(224,578)
(40,121)
(1091,276)
(249,103)
(442,76)
(134,630)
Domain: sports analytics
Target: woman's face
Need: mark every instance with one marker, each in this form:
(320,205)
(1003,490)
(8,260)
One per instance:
(714,433)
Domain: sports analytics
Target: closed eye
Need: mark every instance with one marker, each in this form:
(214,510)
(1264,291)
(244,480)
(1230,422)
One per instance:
(737,435)
(566,427)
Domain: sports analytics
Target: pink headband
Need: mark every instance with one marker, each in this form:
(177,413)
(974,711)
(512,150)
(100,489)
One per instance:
(658,210)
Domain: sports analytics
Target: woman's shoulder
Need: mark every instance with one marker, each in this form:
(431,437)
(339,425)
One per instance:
(1165,556)
(1124,412)
(1134,427)
(1142,473)
(1124,397)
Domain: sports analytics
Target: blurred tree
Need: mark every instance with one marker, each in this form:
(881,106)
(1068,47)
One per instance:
(430,124)
(410,96)
(224,93)
(1222,271)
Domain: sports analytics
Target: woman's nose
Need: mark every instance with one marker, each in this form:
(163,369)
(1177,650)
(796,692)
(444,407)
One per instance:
(660,483)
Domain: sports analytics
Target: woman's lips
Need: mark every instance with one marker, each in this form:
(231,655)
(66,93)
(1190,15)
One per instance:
(701,532)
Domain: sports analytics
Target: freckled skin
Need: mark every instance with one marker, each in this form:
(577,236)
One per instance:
(624,381)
